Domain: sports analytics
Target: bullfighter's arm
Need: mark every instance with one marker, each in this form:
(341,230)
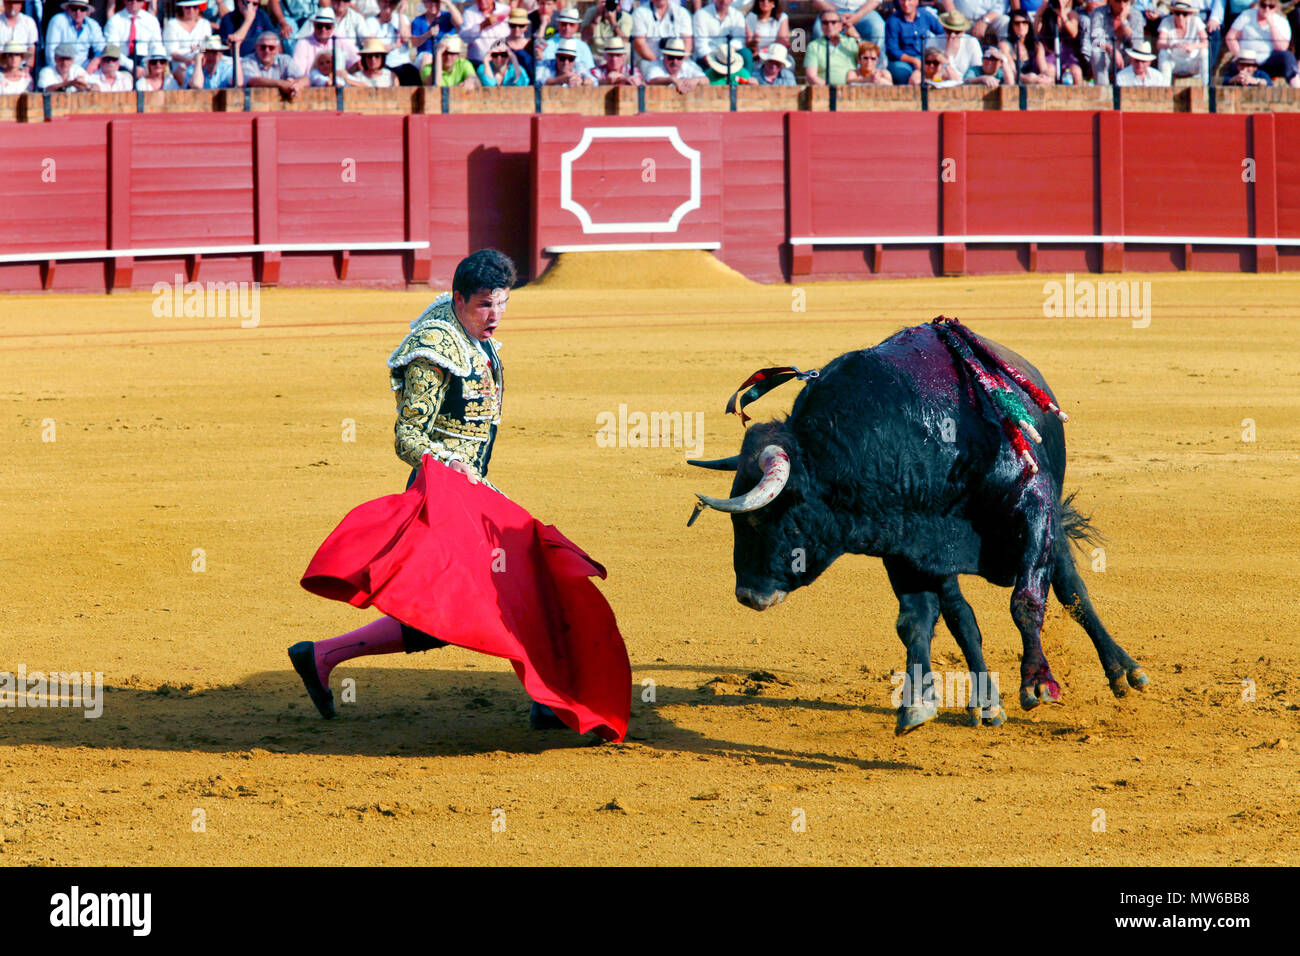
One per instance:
(424,388)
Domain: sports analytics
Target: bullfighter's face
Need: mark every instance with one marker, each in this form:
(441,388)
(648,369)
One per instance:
(482,312)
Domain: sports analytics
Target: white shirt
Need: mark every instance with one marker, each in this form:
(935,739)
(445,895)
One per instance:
(646,23)
(480,38)
(24,31)
(968,53)
(710,28)
(1255,36)
(350,26)
(168,84)
(689,70)
(148,34)
(187,43)
(20,85)
(975,9)
(766,30)
(389,33)
(49,76)
(1128,77)
(121,82)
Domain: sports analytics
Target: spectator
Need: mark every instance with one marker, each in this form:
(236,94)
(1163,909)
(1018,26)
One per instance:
(136,32)
(1248,72)
(249,21)
(601,25)
(373,73)
(858,20)
(271,67)
(450,67)
(1211,14)
(765,24)
(74,25)
(288,15)
(775,67)
(1264,32)
(674,68)
(652,24)
(348,23)
(542,22)
(1182,44)
(485,24)
(519,43)
(428,30)
(995,70)
(565,69)
(726,65)
(1139,71)
(1060,29)
(156,74)
(322,70)
(18,27)
(14,77)
(185,36)
(502,69)
(307,48)
(64,75)
(868,71)
(939,70)
(1112,28)
(718,25)
(213,70)
(832,55)
(961,50)
(989,19)
(111,77)
(906,33)
(394,29)
(1026,53)
(617,69)
(568,23)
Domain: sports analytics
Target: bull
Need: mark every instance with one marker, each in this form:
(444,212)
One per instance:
(902,452)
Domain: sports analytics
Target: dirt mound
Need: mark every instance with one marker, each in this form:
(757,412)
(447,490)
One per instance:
(666,269)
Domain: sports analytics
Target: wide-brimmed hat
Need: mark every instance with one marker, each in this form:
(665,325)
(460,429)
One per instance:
(568,47)
(568,15)
(1181,6)
(190,3)
(63,50)
(724,59)
(1141,50)
(373,45)
(954,20)
(157,55)
(1246,56)
(452,45)
(673,46)
(213,44)
(13,46)
(615,45)
(323,16)
(77,3)
(776,53)
(518,16)
(112,52)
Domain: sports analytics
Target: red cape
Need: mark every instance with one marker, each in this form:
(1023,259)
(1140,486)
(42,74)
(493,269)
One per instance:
(477,570)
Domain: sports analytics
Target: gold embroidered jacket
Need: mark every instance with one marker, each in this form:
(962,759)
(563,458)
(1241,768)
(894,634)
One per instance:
(449,391)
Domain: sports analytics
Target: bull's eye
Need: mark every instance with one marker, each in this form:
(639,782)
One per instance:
(753,520)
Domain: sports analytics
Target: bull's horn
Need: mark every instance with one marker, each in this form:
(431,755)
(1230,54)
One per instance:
(775,464)
(717,464)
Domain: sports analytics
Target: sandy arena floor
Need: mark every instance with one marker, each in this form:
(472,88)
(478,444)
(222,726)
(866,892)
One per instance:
(173,435)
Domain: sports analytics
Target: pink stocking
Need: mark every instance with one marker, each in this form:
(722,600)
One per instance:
(383,636)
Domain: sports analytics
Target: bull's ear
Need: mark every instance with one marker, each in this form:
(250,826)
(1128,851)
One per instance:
(717,464)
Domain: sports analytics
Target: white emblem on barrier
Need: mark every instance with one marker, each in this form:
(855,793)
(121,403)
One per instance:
(591,134)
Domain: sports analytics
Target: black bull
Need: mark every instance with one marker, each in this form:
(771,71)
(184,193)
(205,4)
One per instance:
(896,452)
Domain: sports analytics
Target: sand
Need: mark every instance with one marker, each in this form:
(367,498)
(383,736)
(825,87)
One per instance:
(196,466)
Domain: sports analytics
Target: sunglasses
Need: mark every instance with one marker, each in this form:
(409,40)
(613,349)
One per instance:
(564,56)
(266,46)
(933,63)
(827,23)
(496,53)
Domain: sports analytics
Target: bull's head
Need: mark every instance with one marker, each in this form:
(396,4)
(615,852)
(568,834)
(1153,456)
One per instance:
(781,539)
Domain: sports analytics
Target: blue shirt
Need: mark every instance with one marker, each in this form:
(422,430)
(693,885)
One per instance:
(420,25)
(515,76)
(261,23)
(221,78)
(902,37)
(89,42)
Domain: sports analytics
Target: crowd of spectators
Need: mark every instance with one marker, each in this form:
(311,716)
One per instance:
(119,45)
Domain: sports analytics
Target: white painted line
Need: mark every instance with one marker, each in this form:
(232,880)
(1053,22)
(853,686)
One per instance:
(1041,240)
(69,254)
(633,246)
(589,135)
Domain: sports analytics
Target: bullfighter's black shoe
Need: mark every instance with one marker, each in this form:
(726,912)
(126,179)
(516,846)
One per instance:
(304,662)
(542,717)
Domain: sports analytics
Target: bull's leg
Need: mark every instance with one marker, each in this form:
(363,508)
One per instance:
(918,612)
(1121,670)
(1036,516)
(985,706)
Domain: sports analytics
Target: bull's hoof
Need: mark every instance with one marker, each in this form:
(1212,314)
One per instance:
(909,718)
(1134,677)
(993,716)
(1043,692)
(1137,678)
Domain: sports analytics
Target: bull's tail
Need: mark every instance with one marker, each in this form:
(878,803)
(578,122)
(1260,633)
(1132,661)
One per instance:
(1077,526)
